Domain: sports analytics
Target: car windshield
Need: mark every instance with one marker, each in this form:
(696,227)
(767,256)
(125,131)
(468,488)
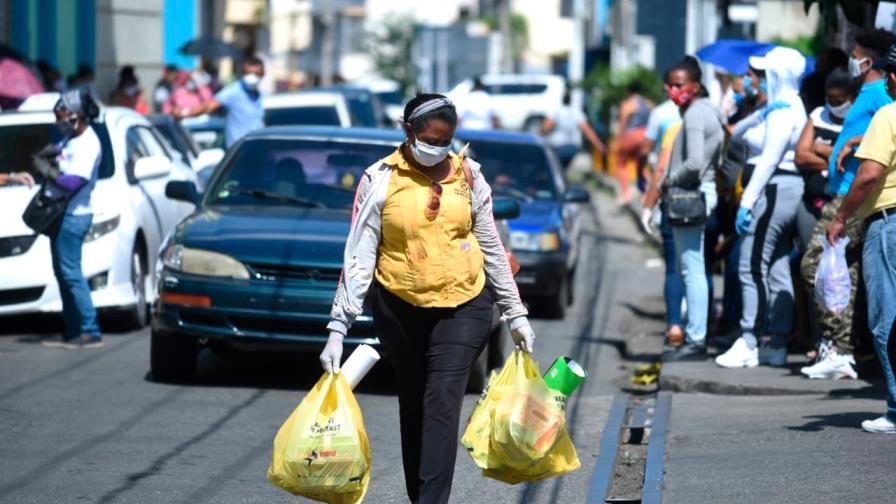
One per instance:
(295,172)
(178,138)
(520,171)
(390,97)
(302,116)
(19,141)
(362,109)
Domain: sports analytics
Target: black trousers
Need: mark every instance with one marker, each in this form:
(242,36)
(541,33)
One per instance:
(432,351)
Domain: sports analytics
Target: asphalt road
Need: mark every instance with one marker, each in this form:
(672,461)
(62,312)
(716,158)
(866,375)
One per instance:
(91,426)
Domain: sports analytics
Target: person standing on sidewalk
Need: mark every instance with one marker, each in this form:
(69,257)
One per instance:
(243,100)
(835,355)
(695,156)
(424,239)
(813,153)
(477,109)
(873,197)
(79,160)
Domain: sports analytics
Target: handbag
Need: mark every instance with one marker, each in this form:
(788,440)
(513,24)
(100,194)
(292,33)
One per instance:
(685,207)
(45,211)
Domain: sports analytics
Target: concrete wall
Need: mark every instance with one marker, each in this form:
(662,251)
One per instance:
(128,32)
(784,19)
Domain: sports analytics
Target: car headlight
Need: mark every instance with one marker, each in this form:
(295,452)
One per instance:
(100,229)
(203,262)
(534,242)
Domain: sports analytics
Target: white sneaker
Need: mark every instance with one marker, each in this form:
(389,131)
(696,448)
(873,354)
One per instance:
(833,367)
(739,356)
(881,425)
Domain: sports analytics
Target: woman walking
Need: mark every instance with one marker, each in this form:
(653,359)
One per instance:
(695,155)
(424,240)
(634,113)
(78,158)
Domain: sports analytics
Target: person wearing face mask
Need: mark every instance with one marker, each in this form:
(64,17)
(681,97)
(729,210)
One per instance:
(692,165)
(242,99)
(813,152)
(186,94)
(873,197)
(423,239)
(78,159)
(128,93)
(766,219)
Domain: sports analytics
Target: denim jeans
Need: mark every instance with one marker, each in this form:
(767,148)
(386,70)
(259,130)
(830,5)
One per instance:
(879,270)
(673,290)
(77,307)
(689,242)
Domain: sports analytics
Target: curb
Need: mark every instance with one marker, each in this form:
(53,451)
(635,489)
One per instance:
(679,384)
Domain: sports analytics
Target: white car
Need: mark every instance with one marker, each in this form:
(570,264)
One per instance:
(132,215)
(307,108)
(522,101)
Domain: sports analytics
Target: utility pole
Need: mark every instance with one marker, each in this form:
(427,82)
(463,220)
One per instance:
(327,46)
(575,71)
(503,11)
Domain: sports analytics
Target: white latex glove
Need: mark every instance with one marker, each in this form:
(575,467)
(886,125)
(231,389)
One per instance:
(523,337)
(647,219)
(331,357)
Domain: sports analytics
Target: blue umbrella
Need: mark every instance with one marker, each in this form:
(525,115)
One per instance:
(733,55)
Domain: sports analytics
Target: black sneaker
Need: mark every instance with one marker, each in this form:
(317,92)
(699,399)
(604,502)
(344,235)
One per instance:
(84,342)
(688,351)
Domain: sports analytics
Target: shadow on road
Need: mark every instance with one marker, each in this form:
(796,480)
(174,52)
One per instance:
(38,326)
(277,370)
(851,420)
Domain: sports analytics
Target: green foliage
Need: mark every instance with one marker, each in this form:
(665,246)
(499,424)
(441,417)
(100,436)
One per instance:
(808,45)
(391,47)
(854,10)
(606,88)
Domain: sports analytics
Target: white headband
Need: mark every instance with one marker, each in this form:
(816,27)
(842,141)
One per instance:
(427,107)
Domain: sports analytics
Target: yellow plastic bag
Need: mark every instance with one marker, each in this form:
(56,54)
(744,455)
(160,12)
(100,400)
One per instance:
(517,431)
(321,451)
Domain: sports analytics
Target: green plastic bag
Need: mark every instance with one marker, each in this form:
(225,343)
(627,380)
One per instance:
(321,452)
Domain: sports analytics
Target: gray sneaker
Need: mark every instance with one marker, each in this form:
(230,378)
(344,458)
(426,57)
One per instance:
(55,342)
(84,342)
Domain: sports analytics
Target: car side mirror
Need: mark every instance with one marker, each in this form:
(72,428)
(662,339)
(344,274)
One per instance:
(182,190)
(505,208)
(151,167)
(577,195)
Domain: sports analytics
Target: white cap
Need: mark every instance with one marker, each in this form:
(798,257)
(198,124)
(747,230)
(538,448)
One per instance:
(759,62)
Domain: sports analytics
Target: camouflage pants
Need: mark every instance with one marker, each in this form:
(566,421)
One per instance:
(836,328)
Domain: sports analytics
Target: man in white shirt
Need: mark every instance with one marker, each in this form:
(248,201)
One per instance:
(476,111)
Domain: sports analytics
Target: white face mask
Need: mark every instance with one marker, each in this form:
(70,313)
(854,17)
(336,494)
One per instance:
(841,110)
(428,155)
(855,66)
(251,80)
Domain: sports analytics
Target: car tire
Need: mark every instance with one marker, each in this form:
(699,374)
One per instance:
(554,307)
(138,316)
(172,357)
(571,288)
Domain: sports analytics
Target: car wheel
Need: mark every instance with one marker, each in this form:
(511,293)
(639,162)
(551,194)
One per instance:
(172,357)
(137,316)
(571,287)
(554,307)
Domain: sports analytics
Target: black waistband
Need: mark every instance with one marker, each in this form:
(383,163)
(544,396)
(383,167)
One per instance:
(779,171)
(880,214)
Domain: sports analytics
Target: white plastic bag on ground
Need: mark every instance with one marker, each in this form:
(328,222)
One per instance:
(832,281)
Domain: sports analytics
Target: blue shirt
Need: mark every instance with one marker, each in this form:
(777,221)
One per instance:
(871,98)
(244,113)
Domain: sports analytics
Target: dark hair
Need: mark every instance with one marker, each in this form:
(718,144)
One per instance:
(690,66)
(759,73)
(253,61)
(839,78)
(876,41)
(634,87)
(127,73)
(446,113)
(833,57)
(567,97)
(477,83)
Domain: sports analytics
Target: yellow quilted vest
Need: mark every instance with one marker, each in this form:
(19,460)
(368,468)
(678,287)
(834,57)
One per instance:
(429,263)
